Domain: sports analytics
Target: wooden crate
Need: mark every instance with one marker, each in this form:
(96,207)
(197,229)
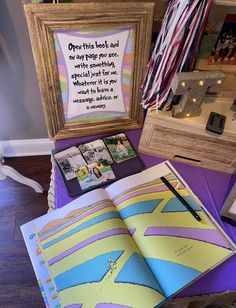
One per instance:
(187,140)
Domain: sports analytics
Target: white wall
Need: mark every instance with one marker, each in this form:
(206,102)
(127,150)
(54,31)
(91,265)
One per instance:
(21,113)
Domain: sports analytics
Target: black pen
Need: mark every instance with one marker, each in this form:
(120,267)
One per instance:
(181,199)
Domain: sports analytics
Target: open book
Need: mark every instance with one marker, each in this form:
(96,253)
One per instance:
(132,244)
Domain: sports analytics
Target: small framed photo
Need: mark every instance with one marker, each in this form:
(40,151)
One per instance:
(228,211)
(96,151)
(224,51)
(119,147)
(217,49)
(69,161)
(94,175)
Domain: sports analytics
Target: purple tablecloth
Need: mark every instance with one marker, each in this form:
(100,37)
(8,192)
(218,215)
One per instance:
(212,188)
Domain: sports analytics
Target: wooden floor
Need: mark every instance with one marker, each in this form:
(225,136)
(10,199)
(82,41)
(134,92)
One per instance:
(18,205)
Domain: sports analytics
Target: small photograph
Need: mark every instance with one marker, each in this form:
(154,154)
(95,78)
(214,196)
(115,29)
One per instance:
(224,51)
(119,147)
(94,174)
(70,160)
(96,151)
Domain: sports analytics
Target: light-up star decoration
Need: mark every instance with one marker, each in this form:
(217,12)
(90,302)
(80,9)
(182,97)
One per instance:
(192,86)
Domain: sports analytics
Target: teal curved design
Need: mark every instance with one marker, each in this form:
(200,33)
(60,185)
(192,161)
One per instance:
(136,271)
(174,205)
(90,271)
(172,276)
(144,207)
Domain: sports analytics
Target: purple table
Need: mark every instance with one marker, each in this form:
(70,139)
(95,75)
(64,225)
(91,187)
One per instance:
(212,188)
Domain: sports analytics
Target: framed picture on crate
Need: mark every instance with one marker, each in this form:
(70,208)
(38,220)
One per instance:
(90,60)
(218,47)
(228,211)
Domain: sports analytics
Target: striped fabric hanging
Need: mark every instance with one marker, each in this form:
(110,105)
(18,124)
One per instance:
(175,49)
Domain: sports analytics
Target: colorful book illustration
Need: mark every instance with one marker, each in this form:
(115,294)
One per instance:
(132,244)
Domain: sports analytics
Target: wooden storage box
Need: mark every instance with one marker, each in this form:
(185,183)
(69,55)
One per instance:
(187,140)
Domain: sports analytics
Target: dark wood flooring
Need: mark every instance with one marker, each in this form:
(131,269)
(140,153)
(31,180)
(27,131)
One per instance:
(18,205)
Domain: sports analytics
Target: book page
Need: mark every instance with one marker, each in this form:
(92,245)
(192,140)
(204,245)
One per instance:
(176,246)
(91,257)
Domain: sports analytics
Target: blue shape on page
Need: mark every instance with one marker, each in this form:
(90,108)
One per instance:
(139,208)
(90,271)
(175,205)
(136,271)
(171,276)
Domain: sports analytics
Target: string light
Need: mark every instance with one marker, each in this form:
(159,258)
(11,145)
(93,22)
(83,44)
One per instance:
(183,84)
(219,81)
(201,83)
(194,100)
(188,114)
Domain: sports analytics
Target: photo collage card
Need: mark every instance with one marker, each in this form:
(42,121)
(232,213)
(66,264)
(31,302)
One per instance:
(91,163)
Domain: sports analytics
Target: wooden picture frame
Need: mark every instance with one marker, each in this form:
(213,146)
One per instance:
(228,211)
(93,39)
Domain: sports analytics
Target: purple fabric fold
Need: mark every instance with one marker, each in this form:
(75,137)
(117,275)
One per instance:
(204,235)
